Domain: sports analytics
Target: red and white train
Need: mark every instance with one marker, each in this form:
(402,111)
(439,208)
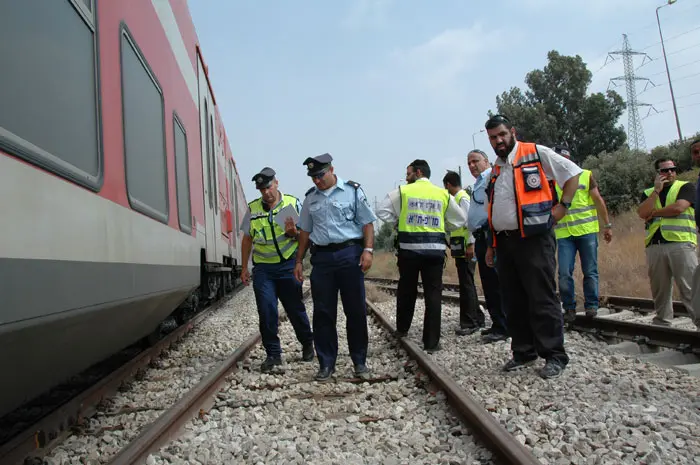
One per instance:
(119,195)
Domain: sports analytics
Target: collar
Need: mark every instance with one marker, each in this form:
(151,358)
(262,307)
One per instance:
(422,180)
(511,156)
(484,174)
(339,184)
(267,208)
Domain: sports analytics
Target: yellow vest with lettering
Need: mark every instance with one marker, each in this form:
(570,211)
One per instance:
(582,216)
(422,219)
(270,243)
(680,228)
(458,238)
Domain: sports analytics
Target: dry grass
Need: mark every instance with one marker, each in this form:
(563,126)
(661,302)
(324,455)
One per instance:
(376,295)
(621,264)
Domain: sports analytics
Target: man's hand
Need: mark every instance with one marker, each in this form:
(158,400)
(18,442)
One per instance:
(299,272)
(290,229)
(660,182)
(245,276)
(366,261)
(490,253)
(558,212)
(607,235)
(469,253)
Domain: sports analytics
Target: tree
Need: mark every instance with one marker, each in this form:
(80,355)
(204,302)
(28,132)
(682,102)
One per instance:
(557,109)
(384,239)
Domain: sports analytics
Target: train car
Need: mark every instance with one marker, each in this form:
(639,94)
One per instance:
(119,194)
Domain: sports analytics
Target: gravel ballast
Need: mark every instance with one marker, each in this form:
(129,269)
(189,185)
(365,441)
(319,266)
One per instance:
(288,418)
(606,408)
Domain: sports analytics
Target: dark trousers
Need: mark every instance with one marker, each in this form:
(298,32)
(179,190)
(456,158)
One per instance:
(335,271)
(526,268)
(270,282)
(470,315)
(430,269)
(491,286)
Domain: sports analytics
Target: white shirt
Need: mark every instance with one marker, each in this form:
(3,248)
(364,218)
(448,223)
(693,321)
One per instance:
(505,215)
(388,210)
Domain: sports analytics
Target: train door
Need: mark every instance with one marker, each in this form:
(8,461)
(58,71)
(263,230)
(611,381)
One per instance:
(209,175)
(233,204)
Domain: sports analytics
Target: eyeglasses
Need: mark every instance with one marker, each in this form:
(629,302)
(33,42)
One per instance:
(667,170)
(319,175)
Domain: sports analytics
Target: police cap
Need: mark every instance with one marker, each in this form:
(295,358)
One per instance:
(318,164)
(264,178)
(563,151)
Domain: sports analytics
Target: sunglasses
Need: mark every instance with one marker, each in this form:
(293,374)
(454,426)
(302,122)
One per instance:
(667,170)
(319,175)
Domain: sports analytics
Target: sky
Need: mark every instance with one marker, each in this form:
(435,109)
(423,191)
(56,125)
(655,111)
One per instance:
(379,83)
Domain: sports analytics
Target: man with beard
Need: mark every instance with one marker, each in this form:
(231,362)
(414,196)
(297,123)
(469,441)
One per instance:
(522,214)
(273,248)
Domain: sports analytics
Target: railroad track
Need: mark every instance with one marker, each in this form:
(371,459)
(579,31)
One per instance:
(69,412)
(614,302)
(236,395)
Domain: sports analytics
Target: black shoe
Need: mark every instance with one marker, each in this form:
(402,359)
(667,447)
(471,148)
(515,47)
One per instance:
(486,331)
(307,352)
(591,312)
(401,333)
(270,363)
(493,337)
(324,374)
(569,316)
(434,349)
(551,369)
(361,371)
(467,331)
(513,365)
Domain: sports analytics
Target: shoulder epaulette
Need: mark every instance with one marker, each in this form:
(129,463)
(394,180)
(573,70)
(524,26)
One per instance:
(309,191)
(354,184)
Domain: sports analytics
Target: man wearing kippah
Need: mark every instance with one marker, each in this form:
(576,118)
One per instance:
(273,250)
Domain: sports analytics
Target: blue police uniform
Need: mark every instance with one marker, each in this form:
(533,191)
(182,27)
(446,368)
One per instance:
(335,219)
(276,280)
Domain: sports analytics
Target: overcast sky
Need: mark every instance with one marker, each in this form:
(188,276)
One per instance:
(378,83)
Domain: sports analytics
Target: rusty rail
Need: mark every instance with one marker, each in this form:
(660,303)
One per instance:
(199,398)
(502,443)
(38,438)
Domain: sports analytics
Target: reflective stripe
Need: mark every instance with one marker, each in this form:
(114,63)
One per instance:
(421,246)
(274,254)
(421,226)
(590,219)
(271,245)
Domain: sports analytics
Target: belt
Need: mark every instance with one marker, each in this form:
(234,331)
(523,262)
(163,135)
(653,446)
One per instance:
(337,246)
(481,232)
(508,232)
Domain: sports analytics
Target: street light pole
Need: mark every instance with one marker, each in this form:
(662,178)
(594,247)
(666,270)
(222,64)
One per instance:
(670,86)
(477,132)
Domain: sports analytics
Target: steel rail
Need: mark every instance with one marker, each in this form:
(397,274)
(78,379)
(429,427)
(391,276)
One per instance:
(683,340)
(38,438)
(640,304)
(196,400)
(502,443)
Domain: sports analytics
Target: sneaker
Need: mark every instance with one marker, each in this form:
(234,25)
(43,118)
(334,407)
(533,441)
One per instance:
(513,365)
(324,374)
(361,371)
(307,352)
(569,316)
(591,312)
(551,369)
(270,363)
(493,337)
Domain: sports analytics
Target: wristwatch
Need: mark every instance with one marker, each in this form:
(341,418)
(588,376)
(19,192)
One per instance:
(607,226)
(369,249)
(566,205)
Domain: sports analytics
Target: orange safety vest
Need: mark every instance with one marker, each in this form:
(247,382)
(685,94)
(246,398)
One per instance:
(533,193)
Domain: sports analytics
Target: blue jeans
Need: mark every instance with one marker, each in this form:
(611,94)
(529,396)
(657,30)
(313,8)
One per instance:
(272,281)
(587,247)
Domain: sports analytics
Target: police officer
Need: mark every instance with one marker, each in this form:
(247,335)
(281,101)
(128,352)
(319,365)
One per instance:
(337,219)
(424,213)
(273,276)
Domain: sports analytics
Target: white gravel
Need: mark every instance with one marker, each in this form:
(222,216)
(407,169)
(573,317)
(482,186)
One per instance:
(162,384)
(288,418)
(606,408)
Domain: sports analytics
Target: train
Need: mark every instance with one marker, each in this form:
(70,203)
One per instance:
(119,193)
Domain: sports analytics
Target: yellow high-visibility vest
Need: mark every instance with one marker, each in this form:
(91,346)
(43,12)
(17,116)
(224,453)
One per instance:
(270,244)
(422,219)
(458,238)
(680,228)
(582,216)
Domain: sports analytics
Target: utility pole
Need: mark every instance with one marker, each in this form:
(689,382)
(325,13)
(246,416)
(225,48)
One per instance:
(635,131)
(670,86)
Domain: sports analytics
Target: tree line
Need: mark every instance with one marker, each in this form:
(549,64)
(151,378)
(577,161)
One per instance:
(556,109)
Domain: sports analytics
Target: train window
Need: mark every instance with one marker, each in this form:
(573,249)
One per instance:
(182,176)
(49,106)
(144,133)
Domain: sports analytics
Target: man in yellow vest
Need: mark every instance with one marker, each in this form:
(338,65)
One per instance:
(671,238)
(273,248)
(471,318)
(578,232)
(424,213)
